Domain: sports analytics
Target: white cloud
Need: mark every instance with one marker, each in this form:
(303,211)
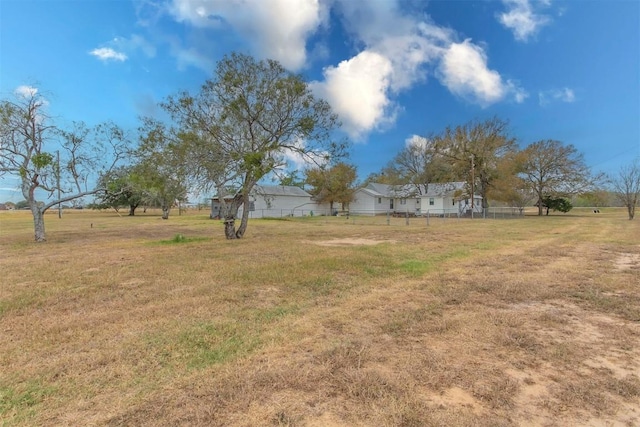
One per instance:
(294,160)
(522,18)
(556,95)
(409,44)
(30,94)
(357,91)
(519,94)
(187,57)
(416,141)
(134,43)
(108,54)
(119,48)
(395,49)
(464,71)
(410,47)
(276,29)
(25,91)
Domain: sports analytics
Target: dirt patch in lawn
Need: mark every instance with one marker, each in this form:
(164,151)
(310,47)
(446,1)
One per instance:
(627,261)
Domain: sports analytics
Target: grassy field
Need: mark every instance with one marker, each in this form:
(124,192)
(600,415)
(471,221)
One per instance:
(320,321)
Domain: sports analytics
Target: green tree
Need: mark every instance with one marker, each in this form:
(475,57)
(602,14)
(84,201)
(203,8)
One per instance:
(241,126)
(509,187)
(598,197)
(626,186)
(292,179)
(120,189)
(556,204)
(332,185)
(474,151)
(553,170)
(31,143)
(22,204)
(160,173)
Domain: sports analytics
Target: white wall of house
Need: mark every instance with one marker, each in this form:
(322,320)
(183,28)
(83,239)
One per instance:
(448,205)
(378,199)
(438,205)
(276,206)
(276,202)
(375,199)
(411,205)
(367,202)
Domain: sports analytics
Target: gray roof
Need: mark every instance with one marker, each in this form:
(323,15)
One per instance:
(408,190)
(274,190)
(280,190)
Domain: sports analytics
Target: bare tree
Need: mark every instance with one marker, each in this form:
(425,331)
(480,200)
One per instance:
(626,185)
(52,163)
(418,164)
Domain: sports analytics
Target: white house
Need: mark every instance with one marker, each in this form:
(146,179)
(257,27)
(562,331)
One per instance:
(435,199)
(276,201)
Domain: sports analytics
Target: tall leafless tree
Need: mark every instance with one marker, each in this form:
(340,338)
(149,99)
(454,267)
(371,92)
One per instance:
(418,164)
(626,185)
(54,164)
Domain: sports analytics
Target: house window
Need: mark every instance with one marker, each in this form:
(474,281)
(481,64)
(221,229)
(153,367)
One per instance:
(403,201)
(432,201)
(252,206)
(379,200)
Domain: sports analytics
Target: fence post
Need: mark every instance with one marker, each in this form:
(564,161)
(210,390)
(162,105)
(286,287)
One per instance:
(387,217)
(406,216)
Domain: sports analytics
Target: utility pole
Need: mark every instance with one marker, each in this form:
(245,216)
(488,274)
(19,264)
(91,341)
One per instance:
(58,182)
(473,184)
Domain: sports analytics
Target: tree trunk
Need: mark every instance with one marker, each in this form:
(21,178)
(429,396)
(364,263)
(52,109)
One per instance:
(540,206)
(245,218)
(165,211)
(484,189)
(230,228)
(230,212)
(38,222)
(631,209)
(132,210)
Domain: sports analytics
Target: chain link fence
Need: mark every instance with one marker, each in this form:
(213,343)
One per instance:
(391,217)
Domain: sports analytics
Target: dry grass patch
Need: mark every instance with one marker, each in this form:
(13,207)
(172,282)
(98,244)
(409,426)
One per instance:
(469,323)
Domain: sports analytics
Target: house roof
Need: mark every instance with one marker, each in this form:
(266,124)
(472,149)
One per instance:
(408,190)
(275,190)
(280,190)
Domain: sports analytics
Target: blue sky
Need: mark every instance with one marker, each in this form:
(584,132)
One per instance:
(392,69)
